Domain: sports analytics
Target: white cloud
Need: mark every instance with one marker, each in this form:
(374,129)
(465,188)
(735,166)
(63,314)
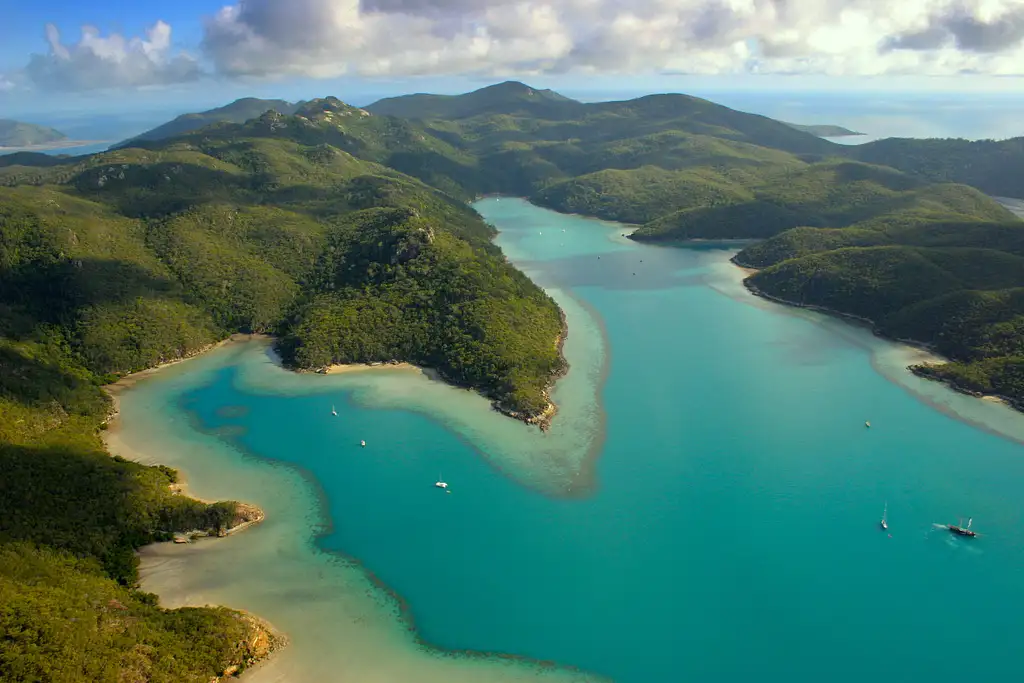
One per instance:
(115,61)
(5,84)
(326,38)
(377,38)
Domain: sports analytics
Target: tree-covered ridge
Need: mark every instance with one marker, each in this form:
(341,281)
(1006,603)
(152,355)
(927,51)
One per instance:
(64,621)
(828,194)
(217,233)
(239,111)
(995,167)
(400,289)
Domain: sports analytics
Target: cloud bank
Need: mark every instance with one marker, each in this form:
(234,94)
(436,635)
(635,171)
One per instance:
(97,62)
(376,38)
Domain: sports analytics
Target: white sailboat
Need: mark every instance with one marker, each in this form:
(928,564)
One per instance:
(333,411)
(441,483)
(885,513)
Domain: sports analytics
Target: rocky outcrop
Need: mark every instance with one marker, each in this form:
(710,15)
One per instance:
(259,642)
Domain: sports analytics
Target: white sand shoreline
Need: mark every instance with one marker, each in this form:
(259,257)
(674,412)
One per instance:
(912,352)
(115,445)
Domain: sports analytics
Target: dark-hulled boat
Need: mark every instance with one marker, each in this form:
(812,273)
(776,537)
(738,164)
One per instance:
(962,530)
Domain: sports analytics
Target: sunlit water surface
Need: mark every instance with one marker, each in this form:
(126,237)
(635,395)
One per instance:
(704,508)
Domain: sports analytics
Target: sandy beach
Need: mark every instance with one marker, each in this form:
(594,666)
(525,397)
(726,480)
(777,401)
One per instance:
(366,367)
(116,445)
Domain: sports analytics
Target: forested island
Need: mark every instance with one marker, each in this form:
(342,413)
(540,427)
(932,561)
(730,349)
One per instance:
(346,234)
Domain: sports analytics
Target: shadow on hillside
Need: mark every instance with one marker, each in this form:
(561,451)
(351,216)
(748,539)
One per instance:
(85,501)
(438,170)
(159,189)
(41,382)
(52,292)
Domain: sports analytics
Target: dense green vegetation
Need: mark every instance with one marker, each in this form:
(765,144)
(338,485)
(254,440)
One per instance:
(238,111)
(153,252)
(63,620)
(993,166)
(20,134)
(71,517)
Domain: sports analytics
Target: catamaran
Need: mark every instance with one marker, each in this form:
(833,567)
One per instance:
(885,513)
(441,483)
(963,531)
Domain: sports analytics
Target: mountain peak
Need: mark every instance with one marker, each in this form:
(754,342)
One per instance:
(520,90)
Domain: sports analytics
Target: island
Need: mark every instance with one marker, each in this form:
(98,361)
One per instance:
(24,135)
(824,130)
(346,234)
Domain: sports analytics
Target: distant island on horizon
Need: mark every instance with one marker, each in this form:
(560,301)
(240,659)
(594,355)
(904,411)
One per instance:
(824,130)
(20,134)
(347,234)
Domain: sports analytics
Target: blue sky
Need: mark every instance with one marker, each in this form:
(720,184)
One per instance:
(206,52)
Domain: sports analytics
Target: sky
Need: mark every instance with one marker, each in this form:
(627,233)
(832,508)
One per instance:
(70,55)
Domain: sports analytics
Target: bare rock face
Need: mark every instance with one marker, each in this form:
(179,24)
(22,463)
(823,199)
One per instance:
(244,512)
(260,642)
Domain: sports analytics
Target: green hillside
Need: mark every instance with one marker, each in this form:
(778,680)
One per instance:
(238,111)
(995,167)
(20,134)
(510,97)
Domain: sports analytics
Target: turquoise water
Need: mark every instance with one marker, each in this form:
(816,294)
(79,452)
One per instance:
(731,530)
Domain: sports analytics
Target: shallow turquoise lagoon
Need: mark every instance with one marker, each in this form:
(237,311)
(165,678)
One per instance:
(731,532)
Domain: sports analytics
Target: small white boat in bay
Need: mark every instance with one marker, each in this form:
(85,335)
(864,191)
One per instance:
(333,411)
(441,483)
(885,513)
(363,444)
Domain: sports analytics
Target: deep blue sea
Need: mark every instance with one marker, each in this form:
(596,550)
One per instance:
(732,530)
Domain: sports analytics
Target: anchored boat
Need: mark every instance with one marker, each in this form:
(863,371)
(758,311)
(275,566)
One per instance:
(963,530)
